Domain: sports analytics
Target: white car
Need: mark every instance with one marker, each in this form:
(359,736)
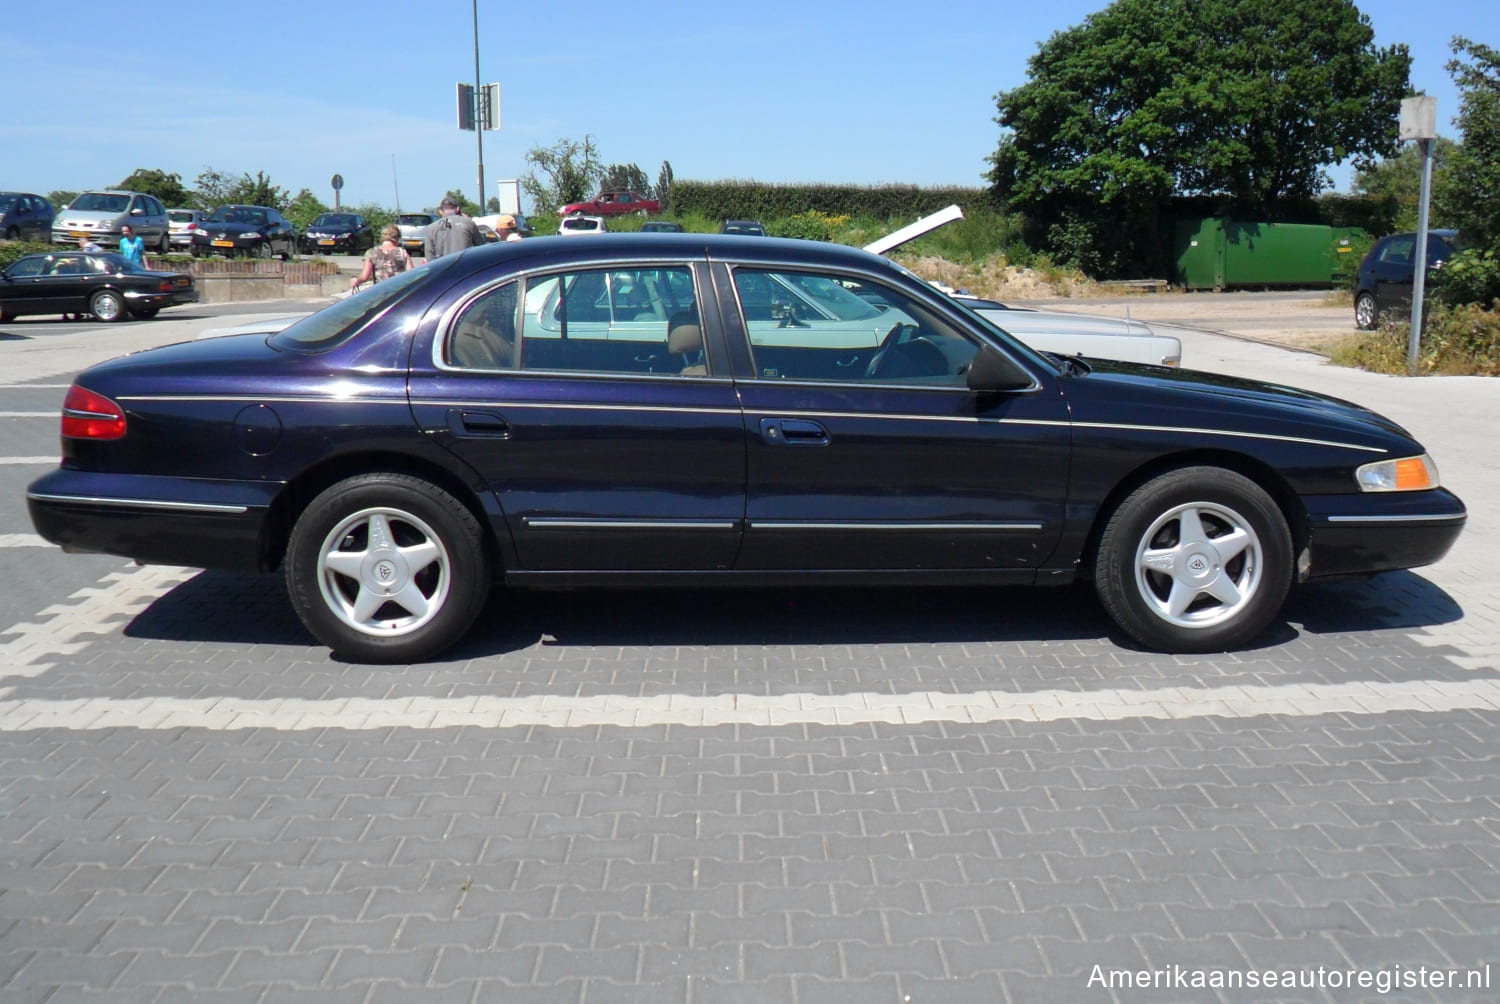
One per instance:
(413,227)
(573,226)
(1119,338)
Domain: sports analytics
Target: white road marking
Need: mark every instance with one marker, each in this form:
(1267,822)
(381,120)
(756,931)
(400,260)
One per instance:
(101,609)
(23,540)
(29,460)
(31,414)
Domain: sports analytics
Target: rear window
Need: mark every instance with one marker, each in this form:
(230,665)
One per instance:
(332,325)
(180,216)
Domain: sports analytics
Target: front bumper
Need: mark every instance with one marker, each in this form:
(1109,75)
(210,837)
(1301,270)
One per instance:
(227,245)
(1377,532)
(156,520)
(329,245)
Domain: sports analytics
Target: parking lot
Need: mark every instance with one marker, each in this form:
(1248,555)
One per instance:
(809,796)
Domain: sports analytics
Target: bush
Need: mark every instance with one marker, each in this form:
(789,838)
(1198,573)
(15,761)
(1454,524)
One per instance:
(809,226)
(1471,276)
(11,250)
(1459,340)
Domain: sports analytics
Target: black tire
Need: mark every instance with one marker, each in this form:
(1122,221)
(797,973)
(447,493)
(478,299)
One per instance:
(1366,316)
(12,234)
(344,602)
(164,246)
(1176,590)
(107,305)
(6,318)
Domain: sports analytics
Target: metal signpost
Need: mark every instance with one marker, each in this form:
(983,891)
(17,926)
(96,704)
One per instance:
(1419,123)
(478,107)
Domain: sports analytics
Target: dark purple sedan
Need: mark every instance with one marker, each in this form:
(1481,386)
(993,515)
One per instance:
(675,409)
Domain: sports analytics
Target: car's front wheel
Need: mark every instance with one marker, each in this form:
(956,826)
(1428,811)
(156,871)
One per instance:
(107,305)
(1196,560)
(387,568)
(1365,314)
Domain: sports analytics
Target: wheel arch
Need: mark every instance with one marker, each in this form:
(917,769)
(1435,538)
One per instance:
(301,490)
(1255,470)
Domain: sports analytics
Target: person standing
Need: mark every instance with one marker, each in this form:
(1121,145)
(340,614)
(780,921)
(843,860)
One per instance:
(505,226)
(385,259)
(452,233)
(87,243)
(132,246)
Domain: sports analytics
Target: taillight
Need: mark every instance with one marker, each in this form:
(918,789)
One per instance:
(87,415)
(164,286)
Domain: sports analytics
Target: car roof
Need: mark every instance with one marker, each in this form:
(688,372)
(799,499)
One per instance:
(585,248)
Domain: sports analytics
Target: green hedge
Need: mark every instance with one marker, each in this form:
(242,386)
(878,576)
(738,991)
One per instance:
(755,200)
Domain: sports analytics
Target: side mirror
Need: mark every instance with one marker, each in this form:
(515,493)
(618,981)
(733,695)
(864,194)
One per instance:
(992,371)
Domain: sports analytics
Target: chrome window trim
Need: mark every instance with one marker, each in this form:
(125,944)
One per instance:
(264,399)
(1002,527)
(128,503)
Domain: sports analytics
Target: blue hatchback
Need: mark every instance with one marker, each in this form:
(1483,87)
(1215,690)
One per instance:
(714,410)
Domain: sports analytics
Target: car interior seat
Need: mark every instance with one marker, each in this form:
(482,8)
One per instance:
(685,340)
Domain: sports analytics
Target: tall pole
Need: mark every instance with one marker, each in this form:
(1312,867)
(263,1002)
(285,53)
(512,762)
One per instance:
(1419,275)
(478,125)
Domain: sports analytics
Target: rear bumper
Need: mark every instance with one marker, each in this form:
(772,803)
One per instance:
(156,301)
(156,520)
(1378,532)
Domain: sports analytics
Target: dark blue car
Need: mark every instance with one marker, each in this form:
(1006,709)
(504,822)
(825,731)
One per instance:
(675,409)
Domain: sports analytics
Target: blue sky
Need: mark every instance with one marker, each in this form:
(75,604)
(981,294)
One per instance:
(867,93)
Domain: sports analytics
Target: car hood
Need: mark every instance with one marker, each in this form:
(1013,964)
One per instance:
(1195,399)
(1051,322)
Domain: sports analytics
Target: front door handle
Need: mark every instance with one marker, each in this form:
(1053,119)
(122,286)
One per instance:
(793,432)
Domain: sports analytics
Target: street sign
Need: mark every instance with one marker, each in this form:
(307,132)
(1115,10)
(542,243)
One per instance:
(466,106)
(481,107)
(337,182)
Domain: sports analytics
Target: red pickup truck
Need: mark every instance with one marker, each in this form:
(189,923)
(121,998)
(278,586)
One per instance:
(612,204)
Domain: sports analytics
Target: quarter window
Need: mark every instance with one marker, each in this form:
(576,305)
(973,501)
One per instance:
(814,326)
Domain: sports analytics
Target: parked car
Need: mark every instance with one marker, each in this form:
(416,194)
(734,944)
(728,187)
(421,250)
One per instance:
(617,203)
(255,231)
(1386,276)
(1071,334)
(413,227)
(338,233)
(100,215)
(24,216)
(105,284)
(180,225)
(680,421)
(661,227)
(748,228)
(573,226)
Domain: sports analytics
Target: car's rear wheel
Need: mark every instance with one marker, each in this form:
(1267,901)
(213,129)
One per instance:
(164,246)
(107,305)
(1365,314)
(387,568)
(1196,560)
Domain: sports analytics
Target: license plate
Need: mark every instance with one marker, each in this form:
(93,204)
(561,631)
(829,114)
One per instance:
(184,281)
(78,233)
(223,244)
(328,242)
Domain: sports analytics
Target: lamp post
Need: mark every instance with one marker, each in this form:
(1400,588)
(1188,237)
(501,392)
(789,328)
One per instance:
(1419,123)
(478,124)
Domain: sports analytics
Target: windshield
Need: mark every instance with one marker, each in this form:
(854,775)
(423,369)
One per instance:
(96,202)
(332,325)
(238,214)
(334,220)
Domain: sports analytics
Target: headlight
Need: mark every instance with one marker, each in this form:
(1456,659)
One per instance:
(252,236)
(343,237)
(1409,474)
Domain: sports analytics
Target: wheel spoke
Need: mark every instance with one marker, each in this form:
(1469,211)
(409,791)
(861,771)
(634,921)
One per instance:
(1231,545)
(1224,590)
(347,563)
(1162,560)
(412,600)
(419,556)
(1190,528)
(380,532)
(1180,598)
(366,603)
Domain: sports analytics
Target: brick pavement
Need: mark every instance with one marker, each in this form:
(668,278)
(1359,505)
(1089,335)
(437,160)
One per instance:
(1328,799)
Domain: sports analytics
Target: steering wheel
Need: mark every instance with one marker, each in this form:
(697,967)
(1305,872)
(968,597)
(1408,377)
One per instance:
(886,344)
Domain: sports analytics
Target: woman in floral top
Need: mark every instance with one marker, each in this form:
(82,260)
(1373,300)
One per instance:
(385,259)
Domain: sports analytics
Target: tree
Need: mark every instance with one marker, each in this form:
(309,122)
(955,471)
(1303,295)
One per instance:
(572,172)
(167,188)
(215,188)
(1469,195)
(626,178)
(1399,179)
(1239,100)
(304,208)
(61,197)
(664,185)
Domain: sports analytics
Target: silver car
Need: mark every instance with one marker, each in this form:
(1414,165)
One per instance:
(180,226)
(100,215)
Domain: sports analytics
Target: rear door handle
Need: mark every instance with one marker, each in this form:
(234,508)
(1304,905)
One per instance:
(793,432)
(478,423)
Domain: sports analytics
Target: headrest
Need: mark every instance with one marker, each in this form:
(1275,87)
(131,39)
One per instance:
(684,334)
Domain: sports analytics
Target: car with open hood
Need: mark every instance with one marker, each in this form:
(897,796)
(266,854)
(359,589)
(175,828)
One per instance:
(338,233)
(245,231)
(647,410)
